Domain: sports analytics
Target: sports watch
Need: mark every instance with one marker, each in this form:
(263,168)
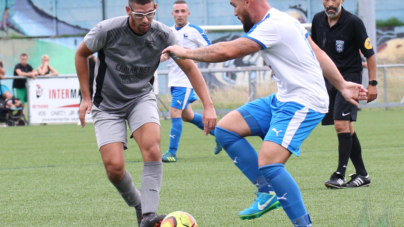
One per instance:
(373,82)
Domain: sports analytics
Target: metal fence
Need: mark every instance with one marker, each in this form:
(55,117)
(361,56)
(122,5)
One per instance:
(390,88)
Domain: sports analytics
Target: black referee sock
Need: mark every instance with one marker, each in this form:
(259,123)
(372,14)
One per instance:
(344,150)
(356,156)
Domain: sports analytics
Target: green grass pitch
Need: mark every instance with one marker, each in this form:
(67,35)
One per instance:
(53,176)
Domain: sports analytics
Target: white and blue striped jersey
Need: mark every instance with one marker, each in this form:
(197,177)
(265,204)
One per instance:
(286,50)
(191,37)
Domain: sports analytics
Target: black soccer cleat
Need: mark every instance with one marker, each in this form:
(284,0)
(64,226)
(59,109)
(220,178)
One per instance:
(336,181)
(152,220)
(139,216)
(358,181)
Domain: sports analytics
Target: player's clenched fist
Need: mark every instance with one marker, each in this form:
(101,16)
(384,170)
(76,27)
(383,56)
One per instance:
(177,51)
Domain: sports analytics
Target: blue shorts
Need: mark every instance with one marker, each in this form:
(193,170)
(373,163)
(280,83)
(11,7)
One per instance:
(182,96)
(285,123)
(4,89)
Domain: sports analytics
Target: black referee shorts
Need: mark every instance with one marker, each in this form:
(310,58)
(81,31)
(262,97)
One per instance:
(339,108)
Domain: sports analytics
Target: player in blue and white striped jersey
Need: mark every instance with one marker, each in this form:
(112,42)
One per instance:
(191,37)
(283,120)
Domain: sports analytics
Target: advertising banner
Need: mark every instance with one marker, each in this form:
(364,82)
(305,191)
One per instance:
(54,100)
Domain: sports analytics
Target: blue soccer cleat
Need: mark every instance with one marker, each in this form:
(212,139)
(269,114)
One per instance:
(169,157)
(218,147)
(263,203)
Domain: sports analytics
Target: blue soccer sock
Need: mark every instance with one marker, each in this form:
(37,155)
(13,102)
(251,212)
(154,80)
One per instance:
(244,157)
(287,190)
(198,122)
(175,135)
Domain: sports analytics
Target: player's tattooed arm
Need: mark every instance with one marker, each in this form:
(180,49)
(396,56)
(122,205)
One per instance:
(218,52)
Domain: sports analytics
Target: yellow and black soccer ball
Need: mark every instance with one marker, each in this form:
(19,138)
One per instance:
(179,219)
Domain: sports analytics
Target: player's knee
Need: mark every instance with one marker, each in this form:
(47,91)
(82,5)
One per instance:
(341,129)
(225,137)
(175,113)
(342,126)
(151,152)
(187,117)
(115,171)
(266,161)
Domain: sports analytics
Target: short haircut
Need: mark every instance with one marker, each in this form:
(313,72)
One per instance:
(45,56)
(24,55)
(141,2)
(180,2)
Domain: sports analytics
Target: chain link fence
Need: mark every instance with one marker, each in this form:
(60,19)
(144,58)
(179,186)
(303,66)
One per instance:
(390,87)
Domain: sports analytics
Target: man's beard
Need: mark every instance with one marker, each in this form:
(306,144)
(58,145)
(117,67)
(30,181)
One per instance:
(248,24)
(142,30)
(333,15)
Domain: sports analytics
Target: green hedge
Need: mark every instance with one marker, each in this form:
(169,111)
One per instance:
(391,22)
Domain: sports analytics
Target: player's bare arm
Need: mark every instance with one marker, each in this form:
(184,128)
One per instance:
(82,70)
(350,91)
(199,85)
(218,52)
(371,63)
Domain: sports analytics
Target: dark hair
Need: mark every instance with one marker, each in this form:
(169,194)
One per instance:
(180,2)
(141,2)
(24,55)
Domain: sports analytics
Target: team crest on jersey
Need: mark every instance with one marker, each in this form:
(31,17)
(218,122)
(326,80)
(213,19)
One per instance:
(339,46)
(186,35)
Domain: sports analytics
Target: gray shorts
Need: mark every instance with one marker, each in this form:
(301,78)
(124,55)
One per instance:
(110,127)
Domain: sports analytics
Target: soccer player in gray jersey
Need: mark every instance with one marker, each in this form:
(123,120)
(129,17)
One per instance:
(129,49)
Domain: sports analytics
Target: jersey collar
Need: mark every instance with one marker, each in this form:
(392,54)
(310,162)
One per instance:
(179,28)
(268,13)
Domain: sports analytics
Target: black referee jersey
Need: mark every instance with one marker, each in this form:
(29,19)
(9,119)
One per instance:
(342,41)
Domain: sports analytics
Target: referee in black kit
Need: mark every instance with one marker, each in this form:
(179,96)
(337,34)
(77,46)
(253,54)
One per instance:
(341,35)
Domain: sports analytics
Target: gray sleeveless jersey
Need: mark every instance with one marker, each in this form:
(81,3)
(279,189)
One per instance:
(126,61)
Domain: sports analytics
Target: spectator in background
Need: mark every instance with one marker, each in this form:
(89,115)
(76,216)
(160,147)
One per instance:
(5,92)
(45,69)
(19,87)
(190,36)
